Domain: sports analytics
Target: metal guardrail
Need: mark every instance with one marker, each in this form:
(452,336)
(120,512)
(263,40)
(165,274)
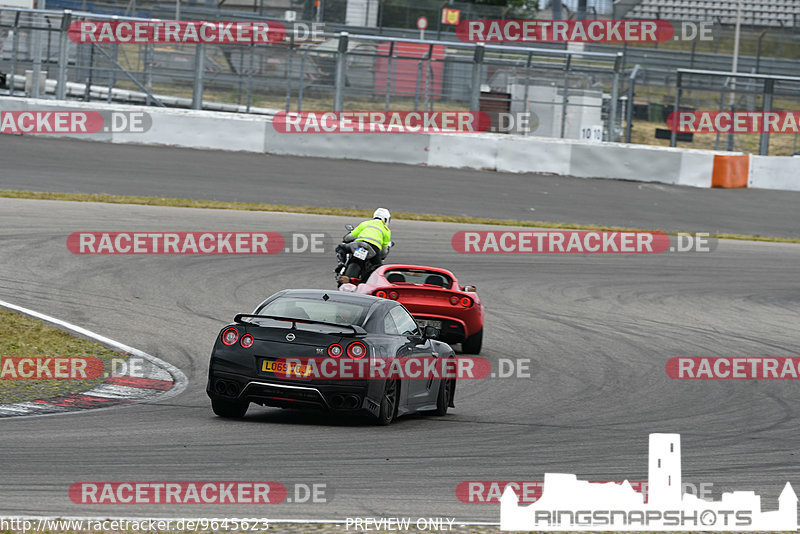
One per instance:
(725,91)
(564,90)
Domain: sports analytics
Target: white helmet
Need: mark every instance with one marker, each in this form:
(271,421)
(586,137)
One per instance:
(382,214)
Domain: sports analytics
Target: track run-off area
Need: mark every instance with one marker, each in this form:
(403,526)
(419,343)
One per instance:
(598,331)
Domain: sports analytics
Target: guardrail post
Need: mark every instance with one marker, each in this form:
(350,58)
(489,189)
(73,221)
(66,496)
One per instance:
(612,111)
(769,89)
(37,56)
(150,55)
(250,76)
(112,71)
(341,66)
(199,70)
(629,106)
(526,104)
(565,97)
(14,48)
(673,137)
(477,67)
(388,76)
(63,43)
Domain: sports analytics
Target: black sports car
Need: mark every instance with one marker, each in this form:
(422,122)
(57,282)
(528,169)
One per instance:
(266,357)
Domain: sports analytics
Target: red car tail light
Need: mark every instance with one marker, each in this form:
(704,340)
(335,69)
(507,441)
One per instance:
(246,341)
(335,350)
(381,294)
(454,300)
(230,336)
(466,302)
(393,295)
(356,350)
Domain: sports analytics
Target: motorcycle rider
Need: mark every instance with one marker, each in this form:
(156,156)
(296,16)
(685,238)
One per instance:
(373,234)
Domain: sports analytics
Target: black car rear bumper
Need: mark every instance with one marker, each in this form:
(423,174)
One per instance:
(352,397)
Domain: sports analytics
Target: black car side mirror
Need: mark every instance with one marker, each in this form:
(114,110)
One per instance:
(430,332)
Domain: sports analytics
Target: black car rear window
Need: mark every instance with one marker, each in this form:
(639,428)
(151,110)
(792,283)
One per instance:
(315,309)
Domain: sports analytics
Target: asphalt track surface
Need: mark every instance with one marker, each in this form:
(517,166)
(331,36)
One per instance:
(597,329)
(74,166)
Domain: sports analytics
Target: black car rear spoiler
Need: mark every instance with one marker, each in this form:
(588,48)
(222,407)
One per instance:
(357,330)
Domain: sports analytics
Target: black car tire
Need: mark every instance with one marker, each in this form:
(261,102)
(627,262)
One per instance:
(229,409)
(443,398)
(389,401)
(473,343)
(353,269)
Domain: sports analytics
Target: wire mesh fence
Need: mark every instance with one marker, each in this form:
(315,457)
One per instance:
(526,91)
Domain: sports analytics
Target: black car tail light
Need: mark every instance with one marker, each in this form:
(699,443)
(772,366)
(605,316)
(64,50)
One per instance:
(335,350)
(356,350)
(230,336)
(246,341)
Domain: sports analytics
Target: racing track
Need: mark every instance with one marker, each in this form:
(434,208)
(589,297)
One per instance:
(598,330)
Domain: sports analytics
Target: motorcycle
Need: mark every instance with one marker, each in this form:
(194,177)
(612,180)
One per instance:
(357,265)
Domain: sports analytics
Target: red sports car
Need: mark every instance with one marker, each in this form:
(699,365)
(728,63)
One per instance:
(434,297)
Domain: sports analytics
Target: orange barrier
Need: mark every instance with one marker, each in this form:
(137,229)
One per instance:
(730,172)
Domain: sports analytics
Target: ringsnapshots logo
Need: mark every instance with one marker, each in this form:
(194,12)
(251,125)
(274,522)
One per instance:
(74,122)
(194,243)
(567,503)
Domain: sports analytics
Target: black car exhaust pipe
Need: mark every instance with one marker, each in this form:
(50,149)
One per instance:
(232,390)
(219,387)
(337,401)
(351,402)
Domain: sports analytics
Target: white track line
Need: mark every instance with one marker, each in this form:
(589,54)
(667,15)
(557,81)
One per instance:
(179,379)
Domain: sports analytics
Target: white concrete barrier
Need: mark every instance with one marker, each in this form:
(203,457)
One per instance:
(200,129)
(383,148)
(627,162)
(774,172)
(696,167)
(533,154)
(471,151)
(503,153)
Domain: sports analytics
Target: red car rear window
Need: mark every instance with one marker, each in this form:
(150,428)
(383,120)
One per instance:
(418,276)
